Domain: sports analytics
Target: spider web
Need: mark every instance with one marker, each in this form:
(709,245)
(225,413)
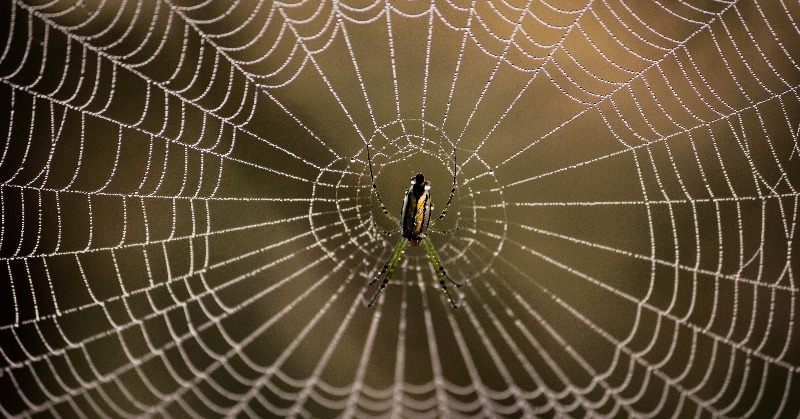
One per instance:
(188,226)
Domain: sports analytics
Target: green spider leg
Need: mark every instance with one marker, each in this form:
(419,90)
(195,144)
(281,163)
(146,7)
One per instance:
(452,190)
(388,269)
(384,231)
(440,272)
(459,226)
(375,188)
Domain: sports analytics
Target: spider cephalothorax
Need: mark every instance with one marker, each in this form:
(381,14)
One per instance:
(414,221)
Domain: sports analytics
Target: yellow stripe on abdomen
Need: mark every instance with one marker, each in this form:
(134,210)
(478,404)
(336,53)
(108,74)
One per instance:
(419,217)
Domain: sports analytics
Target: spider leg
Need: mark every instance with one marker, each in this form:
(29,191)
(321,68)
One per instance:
(388,269)
(452,190)
(440,272)
(398,249)
(384,231)
(375,188)
(459,226)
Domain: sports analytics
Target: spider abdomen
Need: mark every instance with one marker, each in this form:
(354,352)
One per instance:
(416,214)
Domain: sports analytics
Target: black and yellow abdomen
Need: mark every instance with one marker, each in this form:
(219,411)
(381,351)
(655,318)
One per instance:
(416,213)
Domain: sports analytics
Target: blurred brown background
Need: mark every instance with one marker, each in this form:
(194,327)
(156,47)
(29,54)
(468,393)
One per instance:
(188,225)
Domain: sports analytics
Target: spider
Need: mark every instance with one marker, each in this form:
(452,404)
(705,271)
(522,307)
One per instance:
(414,221)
